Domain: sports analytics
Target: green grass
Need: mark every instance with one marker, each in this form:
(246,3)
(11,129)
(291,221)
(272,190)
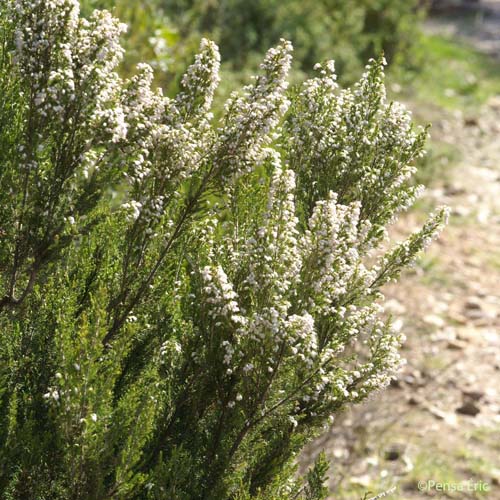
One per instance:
(479,466)
(428,466)
(493,261)
(486,435)
(452,74)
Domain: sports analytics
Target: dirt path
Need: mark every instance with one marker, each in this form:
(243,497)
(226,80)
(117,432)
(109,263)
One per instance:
(441,420)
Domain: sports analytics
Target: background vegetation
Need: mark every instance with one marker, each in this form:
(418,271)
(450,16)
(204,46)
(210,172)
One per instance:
(167,33)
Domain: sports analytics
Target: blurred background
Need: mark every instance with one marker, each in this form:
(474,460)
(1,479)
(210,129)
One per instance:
(440,421)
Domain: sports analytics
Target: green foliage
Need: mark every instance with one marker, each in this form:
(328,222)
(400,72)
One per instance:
(166,33)
(316,479)
(450,74)
(185,302)
(353,31)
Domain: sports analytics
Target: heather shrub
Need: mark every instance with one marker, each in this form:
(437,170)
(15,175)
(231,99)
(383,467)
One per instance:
(185,302)
(151,37)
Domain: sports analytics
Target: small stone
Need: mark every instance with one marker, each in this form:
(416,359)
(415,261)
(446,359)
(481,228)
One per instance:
(413,401)
(468,408)
(395,383)
(447,333)
(409,466)
(455,345)
(363,481)
(471,121)
(434,320)
(394,452)
(495,477)
(473,303)
(475,314)
(473,395)
(467,334)
(448,418)
(409,379)
(461,211)
(454,190)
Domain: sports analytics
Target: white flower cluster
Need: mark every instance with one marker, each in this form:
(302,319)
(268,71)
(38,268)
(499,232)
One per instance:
(356,144)
(98,52)
(283,271)
(67,59)
(200,81)
(331,253)
(252,119)
(168,138)
(43,38)
(221,295)
(275,241)
(300,293)
(303,337)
